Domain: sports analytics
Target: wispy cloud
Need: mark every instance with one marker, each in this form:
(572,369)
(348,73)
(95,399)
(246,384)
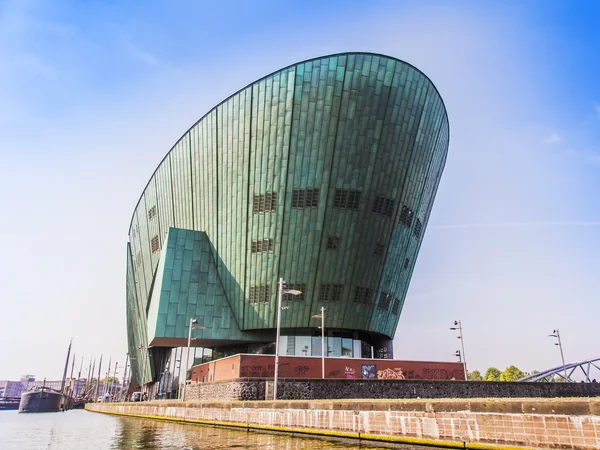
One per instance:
(516,224)
(141,55)
(554,138)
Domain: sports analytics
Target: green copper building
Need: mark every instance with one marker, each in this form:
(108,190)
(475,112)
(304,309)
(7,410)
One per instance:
(323,173)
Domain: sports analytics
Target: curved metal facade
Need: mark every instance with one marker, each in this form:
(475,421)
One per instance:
(323,173)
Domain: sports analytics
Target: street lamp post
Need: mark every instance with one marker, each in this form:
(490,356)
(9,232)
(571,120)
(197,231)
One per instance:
(112,385)
(457,354)
(105,387)
(123,391)
(556,334)
(178,372)
(280,292)
(193,325)
(458,327)
(322,317)
(143,374)
(132,358)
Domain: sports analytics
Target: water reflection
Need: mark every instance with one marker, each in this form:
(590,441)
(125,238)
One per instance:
(151,434)
(85,430)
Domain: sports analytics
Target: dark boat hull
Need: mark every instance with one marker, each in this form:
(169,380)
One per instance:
(9,403)
(44,400)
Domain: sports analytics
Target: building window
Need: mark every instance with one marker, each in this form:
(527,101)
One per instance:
(298,287)
(265,202)
(330,293)
(383,206)
(396,307)
(155,244)
(259,294)
(406,216)
(152,213)
(418,229)
(305,198)
(346,199)
(138,259)
(384,301)
(262,245)
(379,249)
(406,263)
(363,295)
(333,243)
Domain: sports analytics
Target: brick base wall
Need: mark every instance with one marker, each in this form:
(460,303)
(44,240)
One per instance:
(556,423)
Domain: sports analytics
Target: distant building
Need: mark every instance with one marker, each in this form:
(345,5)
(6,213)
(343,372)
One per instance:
(16,388)
(10,388)
(323,173)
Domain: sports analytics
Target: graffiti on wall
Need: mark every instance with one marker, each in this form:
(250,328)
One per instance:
(368,371)
(350,372)
(259,370)
(442,374)
(256,371)
(433,374)
(338,368)
(391,374)
(301,370)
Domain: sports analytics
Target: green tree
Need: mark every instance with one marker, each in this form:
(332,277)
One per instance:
(492,374)
(511,373)
(109,380)
(475,376)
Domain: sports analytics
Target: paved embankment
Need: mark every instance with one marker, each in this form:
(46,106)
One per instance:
(475,423)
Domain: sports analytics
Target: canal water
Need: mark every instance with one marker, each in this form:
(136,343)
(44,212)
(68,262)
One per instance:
(83,430)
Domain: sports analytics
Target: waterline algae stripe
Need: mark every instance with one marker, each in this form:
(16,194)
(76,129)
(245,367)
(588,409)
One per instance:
(325,433)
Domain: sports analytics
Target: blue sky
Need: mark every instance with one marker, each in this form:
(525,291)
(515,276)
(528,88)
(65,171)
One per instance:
(94,93)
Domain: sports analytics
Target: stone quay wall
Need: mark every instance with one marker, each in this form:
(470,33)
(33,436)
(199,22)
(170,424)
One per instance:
(475,423)
(315,389)
(249,389)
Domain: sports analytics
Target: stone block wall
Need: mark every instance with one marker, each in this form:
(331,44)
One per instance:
(302,389)
(227,390)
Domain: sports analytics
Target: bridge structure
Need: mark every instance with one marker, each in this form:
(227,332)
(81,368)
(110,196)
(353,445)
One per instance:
(565,372)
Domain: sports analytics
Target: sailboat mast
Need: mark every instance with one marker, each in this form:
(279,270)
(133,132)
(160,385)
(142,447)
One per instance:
(98,380)
(76,384)
(71,376)
(62,386)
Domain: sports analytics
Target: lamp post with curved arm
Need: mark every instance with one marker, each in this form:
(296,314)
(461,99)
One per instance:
(193,325)
(143,375)
(458,327)
(556,334)
(322,317)
(280,291)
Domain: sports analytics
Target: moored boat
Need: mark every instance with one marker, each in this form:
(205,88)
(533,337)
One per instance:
(9,403)
(44,399)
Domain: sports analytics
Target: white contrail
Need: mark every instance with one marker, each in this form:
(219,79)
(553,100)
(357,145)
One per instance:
(516,224)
